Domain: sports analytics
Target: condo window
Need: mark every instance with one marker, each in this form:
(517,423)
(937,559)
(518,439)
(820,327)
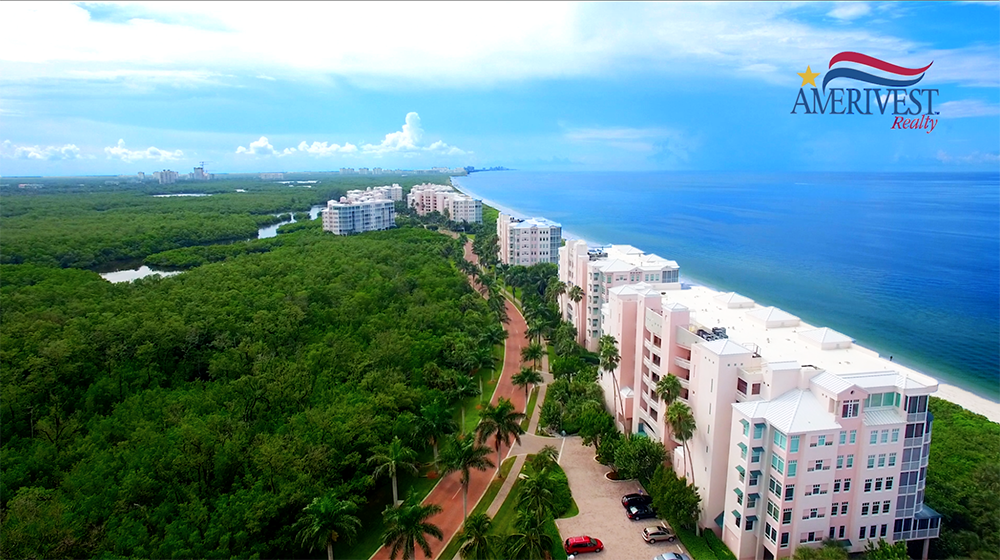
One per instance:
(850,409)
(758,430)
(793,446)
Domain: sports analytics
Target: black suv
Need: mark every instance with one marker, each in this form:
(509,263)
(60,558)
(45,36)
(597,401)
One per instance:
(636,500)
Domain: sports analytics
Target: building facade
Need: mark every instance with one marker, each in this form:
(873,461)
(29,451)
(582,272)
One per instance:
(528,242)
(596,270)
(801,434)
(458,207)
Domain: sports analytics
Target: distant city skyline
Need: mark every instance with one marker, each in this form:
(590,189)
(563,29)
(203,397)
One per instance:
(112,88)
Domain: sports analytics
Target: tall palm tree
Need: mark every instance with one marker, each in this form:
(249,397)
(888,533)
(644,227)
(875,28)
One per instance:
(554,289)
(530,540)
(395,458)
(406,527)
(610,358)
(462,454)
(535,330)
(502,422)
(682,425)
(327,521)
(526,378)
(532,353)
(435,421)
(669,390)
(576,293)
(465,387)
(477,542)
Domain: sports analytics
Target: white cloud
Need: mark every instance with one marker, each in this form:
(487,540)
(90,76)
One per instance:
(850,10)
(406,141)
(486,42)
(971,159)
(119,151)
(8,150)
(259,147)
(968,108)
(325,149)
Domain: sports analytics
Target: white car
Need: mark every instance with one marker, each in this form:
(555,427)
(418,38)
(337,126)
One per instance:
(672,556)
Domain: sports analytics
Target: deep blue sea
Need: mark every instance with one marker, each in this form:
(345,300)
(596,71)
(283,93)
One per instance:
(907,264)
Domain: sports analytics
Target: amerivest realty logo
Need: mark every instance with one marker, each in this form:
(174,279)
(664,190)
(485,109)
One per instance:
(911,108)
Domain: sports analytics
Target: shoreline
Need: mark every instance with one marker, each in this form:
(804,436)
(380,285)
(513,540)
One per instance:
(947,391)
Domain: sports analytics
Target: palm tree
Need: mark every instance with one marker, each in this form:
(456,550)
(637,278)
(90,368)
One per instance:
(465,387)
(434,422)
(397,456)
(682,425)
(462,455)
(610,358)
(525,378)
(530,540)
(327,521)
(669,390)
(532,353)
(535,331)
(477,542)
(406,527)
(576,294)
(554,289)
(536,490)
(502,422)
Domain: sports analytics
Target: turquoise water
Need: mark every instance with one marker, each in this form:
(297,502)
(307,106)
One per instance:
(907,264)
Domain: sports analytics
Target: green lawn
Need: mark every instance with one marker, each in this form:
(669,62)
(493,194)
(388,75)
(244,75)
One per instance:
(491,492)
(530,408)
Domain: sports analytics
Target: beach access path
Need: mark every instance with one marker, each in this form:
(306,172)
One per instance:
(448,492)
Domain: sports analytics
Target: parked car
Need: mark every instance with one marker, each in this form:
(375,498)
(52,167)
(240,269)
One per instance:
(576,545)
(639,512)
(659,533)
(672,556)
(636,500)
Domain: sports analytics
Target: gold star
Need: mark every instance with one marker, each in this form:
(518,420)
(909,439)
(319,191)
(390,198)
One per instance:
(808,77)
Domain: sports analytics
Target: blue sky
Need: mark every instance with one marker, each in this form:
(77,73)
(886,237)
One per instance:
(108,88)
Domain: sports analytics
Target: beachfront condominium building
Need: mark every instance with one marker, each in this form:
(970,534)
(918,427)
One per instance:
(361,211)
(454,205)
(801,434)
(528,242)
(596,270)
(388,192)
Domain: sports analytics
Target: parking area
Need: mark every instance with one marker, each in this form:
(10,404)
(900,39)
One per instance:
(601,513)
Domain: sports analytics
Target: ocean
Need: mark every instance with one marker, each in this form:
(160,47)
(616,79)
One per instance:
(907,264)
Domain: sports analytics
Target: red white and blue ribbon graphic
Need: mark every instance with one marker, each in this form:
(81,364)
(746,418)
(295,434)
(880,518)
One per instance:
(894,76)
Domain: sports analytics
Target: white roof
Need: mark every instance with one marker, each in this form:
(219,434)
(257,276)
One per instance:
(725,347)
(535,223)
(631,258)
(640,289)
(794,412)
(854,364)
(771,314)
(734,300)
(883,417)
(831,382)
(825,335)
(673,306)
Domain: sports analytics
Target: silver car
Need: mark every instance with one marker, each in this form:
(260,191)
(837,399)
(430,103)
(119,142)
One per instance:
(672,556)
(659,533)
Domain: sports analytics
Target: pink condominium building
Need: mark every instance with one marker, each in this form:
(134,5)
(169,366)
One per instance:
(801,434)
(597,270)
(528,242)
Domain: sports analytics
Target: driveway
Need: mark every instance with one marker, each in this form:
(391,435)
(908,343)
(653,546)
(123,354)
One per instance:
(601,513)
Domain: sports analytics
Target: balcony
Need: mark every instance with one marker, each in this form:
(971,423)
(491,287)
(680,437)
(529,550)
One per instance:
(653,368)
(681,362)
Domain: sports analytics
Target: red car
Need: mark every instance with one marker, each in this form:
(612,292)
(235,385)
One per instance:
(576,545)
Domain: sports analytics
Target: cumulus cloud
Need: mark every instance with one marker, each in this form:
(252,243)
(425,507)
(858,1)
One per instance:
(119,151)
(970,159)
(406,141)
(968,108)
(10,150)
(258,147)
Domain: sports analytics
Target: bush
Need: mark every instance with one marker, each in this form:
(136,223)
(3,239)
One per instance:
(720,549)
(638,457)
(696,546)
